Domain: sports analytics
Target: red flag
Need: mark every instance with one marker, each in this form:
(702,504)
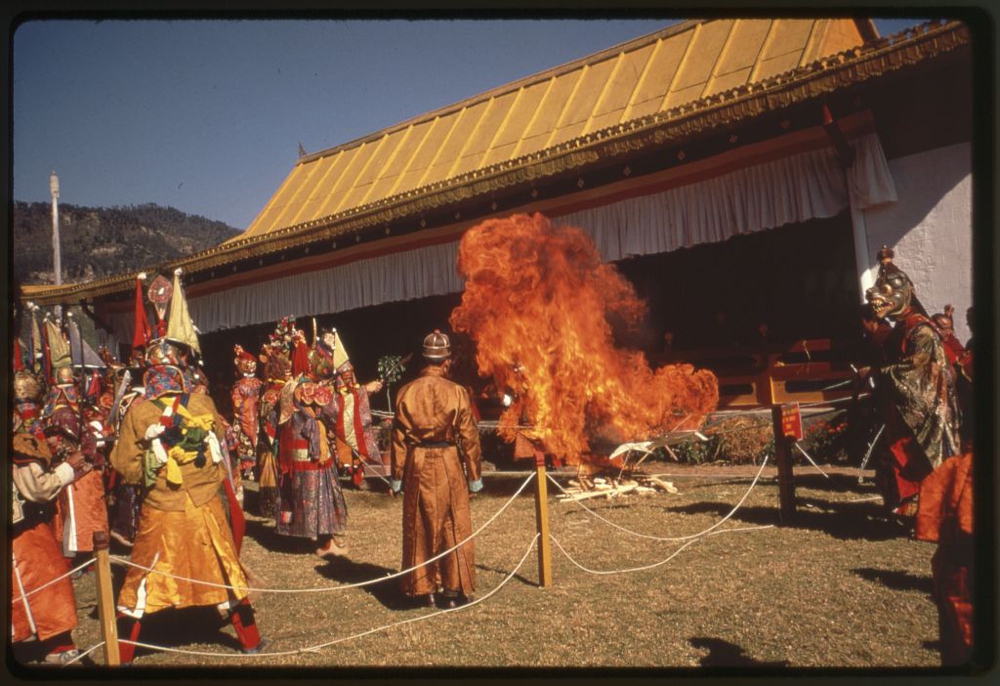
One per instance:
(18,356)
(142,335)
(300,359)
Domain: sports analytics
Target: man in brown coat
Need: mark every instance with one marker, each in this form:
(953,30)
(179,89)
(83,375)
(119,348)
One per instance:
(436,462)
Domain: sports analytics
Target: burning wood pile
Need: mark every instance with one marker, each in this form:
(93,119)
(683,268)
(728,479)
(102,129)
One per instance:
(545,313)
(608,488)
(622,474)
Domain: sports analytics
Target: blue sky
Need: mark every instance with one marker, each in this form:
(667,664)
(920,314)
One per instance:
(207,116)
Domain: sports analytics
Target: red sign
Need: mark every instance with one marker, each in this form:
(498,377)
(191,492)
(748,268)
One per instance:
(791,421)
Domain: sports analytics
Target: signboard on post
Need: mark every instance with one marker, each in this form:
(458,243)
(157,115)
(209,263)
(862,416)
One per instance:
(791,421)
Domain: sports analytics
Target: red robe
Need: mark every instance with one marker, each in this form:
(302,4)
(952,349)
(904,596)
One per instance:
(945,517)
(38,561)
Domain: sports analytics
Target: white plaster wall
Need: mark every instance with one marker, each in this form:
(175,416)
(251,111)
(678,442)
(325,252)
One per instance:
(930,227)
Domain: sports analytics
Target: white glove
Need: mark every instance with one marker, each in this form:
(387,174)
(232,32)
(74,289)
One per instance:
(214,447)
(153,432)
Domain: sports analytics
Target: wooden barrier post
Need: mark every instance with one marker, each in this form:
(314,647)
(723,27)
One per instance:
(787,424)
(106,600)
(542,521)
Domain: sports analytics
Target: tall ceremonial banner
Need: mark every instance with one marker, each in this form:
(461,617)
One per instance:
(142,334)
(179,326)
(80,351)
(59,354)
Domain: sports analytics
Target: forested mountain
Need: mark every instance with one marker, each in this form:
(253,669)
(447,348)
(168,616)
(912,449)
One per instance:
(103,241)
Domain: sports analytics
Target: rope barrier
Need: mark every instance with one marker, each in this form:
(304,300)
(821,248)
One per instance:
(864,500)
(735,478)
(676,538)
(661,562)
(316,648)
(60,578)
(84,654)
(250,589)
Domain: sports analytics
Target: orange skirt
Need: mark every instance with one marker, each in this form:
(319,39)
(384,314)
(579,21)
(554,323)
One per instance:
(83,509)
(196,544)
(37,561)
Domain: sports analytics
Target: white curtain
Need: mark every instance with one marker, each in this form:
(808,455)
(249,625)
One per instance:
(796,188)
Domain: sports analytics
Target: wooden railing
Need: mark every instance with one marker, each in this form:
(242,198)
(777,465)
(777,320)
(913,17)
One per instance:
(808,371)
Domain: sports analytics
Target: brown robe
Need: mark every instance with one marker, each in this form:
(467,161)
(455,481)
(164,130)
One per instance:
(434,436)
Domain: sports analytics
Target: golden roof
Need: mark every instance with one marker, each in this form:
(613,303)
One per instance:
(656,73)
(666,86)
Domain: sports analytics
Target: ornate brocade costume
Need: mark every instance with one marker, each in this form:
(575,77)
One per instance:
(311,503)
(918,393)
(246,417)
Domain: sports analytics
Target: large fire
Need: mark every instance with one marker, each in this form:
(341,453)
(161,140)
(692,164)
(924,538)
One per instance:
(538,302)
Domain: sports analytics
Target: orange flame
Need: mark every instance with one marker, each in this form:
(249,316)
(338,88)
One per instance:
(538,302)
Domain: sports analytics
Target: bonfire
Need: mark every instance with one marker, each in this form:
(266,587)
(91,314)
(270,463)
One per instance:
(543,310)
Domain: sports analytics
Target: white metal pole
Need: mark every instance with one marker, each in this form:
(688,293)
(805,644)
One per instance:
(56,257)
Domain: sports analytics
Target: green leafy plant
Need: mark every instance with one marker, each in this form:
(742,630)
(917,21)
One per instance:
(390,370)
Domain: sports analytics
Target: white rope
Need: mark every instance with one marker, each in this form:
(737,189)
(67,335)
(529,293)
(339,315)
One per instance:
(60,578)
(811,461)
(836,401)
(316,648)
(675,538)
(767,410)
(731,477)
(251,589)
(84,654)
(864,500)
(655,564)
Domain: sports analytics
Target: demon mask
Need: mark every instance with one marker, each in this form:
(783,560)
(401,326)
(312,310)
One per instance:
(893,293)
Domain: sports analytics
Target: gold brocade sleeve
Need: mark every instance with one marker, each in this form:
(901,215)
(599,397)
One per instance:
(468,435)
(398,448)
(126,456)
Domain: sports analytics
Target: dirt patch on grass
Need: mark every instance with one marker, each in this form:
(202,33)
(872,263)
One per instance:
(840,586)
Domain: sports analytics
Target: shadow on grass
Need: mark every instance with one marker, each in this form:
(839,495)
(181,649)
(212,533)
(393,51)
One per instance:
(900,581)
(865,519)
(177,628)
(348,571)
(273,542)
(503,485)
(845,521)
(504,572)
(725,654)
(808,477)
